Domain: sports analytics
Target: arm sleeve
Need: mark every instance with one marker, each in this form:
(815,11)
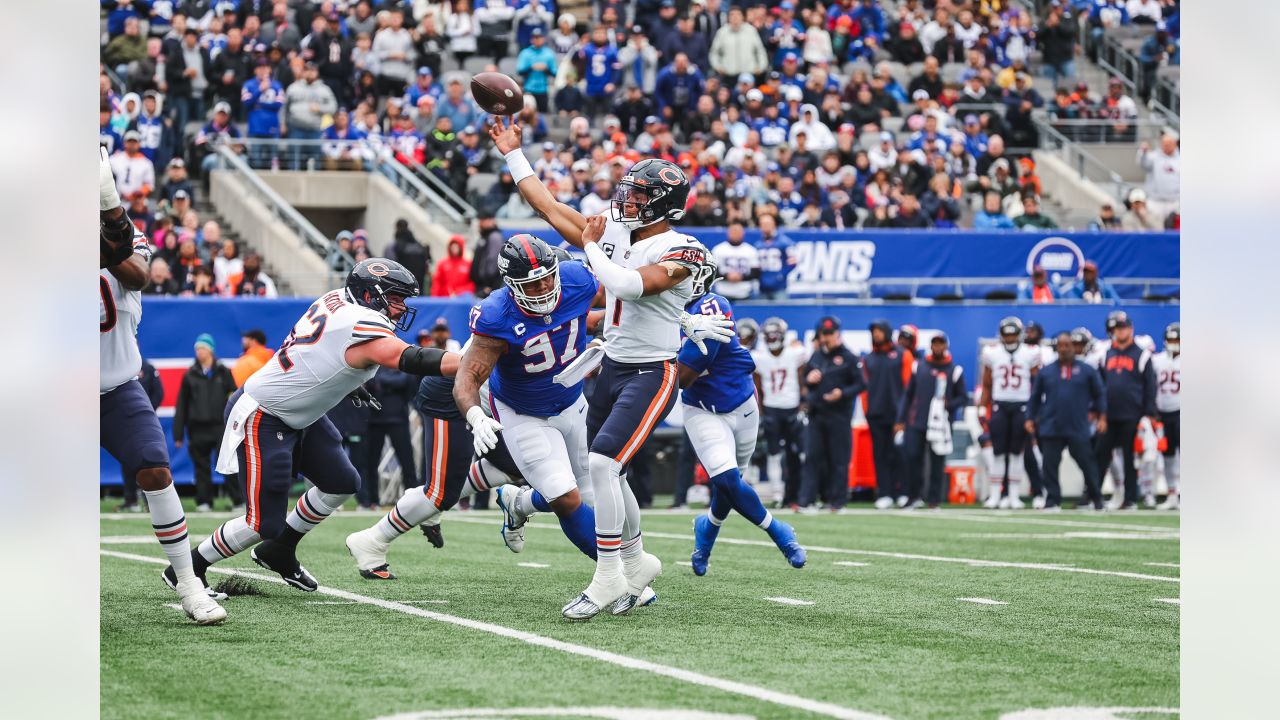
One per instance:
(622,282)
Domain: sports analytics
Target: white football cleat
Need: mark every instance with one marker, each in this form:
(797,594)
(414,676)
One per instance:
(639,573)
(902,501)
(512,523)
(884,503)
(1037,502)
(1173,502)
(994,500)
(601,593)
(197,604)
(369,551)
(1013,502)
(1149,501)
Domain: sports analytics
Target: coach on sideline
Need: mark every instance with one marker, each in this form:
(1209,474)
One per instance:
(1062,396)
(834,380)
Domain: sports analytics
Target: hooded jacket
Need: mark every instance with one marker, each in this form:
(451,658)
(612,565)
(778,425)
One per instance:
(885,371)
(734,52)
(819,135)
(453,274)
(913,411)
(299,98)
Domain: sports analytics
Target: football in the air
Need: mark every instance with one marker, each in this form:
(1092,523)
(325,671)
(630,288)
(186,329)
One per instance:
(498,94)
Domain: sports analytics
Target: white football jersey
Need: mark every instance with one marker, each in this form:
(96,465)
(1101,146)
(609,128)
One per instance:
(1168,369)
(646,329)
(119,314)
(742,259)
(1048,354)
(779,377)
(309,374)
(1011,371)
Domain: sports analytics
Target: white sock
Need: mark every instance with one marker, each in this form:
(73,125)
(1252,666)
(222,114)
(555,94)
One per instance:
(610,513)
(312,508)
(483,475)
(524,503)
(631,511)
(989,459)
(767,521)
(1173,471)
(714,520)
(999,463)
(1017,473)
(412,509)
(170,525)
(232,537)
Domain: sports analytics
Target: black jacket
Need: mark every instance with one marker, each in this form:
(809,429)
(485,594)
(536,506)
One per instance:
(1062,397)
(885,373)
(1131,383)
(839,369)
(394,389)
(913,411)
(202,398)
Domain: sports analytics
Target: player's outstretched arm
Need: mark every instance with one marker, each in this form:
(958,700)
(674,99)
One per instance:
(566,221)
(395,353)
(626,283)
(477,364)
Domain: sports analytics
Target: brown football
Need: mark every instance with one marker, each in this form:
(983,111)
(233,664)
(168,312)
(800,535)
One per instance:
(497,94)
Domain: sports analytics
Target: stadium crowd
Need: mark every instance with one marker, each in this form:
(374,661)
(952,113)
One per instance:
(853,113)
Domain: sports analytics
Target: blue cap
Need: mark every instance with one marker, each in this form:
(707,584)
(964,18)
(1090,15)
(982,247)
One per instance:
(773,167)
(424,70)
(537,32)
(786,5)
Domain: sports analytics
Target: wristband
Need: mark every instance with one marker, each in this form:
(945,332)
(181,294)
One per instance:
(519,165)
(421,361)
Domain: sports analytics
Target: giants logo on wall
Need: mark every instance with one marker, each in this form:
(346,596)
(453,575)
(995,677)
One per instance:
(1060,258)
(832,266)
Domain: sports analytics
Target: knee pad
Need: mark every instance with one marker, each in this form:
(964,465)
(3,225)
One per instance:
(602,465)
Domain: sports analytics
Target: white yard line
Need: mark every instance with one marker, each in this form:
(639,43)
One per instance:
(1075,535)
(1171,601)
(789,601)
(973,562)
(1168,565)
(533,565)
(850,563)
(356,602)
(983,601)
(687,676)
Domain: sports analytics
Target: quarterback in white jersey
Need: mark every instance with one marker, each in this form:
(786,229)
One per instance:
(128,427)
(276,424)
(645,267)
(1008,370)
(777,375)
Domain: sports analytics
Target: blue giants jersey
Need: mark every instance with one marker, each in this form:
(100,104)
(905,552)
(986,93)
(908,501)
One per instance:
(725,381)
(777,260)
(538,347)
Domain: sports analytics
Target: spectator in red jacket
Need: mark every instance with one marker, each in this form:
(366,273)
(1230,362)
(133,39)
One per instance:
(453,274)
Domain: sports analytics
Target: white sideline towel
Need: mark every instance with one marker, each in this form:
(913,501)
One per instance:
(582,366)
(938,432)
(233,435)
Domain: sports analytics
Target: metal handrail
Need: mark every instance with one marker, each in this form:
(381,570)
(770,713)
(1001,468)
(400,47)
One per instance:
(1080,159)
(411,183)
(278,206)
(443,188)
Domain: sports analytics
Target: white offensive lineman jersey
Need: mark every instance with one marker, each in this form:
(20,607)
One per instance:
(779,375)
(1011,371)
(119,314)
(309,374)
(1168,369)
(646,329)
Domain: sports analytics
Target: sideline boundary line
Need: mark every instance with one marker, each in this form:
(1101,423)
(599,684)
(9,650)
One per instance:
(753,692)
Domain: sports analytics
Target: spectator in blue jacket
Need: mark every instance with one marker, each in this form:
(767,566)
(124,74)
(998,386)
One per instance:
(913,418)
(1090,288)
(870,19)
(537,64)
(1130,381)
(678,87)
(262,99)
(1064,395)
(1157,49)
(777,259)
(992,216)
(885,371)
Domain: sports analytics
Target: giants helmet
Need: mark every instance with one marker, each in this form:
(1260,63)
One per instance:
(652,190)
(525,263)
(374,283)
(1011,326)
(775,333)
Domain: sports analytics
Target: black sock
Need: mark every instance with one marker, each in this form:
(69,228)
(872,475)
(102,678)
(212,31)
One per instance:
(198,564)
(289,537)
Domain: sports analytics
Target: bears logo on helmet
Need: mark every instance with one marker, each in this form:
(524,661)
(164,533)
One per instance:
(653,190)
(384,285)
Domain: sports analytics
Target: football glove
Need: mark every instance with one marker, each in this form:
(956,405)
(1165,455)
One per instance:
(108,196)
(700,328)
(484,430)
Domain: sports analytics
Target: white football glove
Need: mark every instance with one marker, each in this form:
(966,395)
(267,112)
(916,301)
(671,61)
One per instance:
(700,328)
(108,196)
(484,430)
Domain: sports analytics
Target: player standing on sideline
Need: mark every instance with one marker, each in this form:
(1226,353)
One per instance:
(778,377)
(129,428)
(722,417)
(276,424)
(645,267)
(1032,459)
(1168,367)
(1007,372)
(452,474)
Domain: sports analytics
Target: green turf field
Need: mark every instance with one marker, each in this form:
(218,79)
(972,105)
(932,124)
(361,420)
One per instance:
(882,631)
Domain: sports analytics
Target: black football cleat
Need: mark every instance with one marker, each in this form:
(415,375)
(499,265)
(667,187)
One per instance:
(382,572)
(434,535)
(283,560)
(171,579)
